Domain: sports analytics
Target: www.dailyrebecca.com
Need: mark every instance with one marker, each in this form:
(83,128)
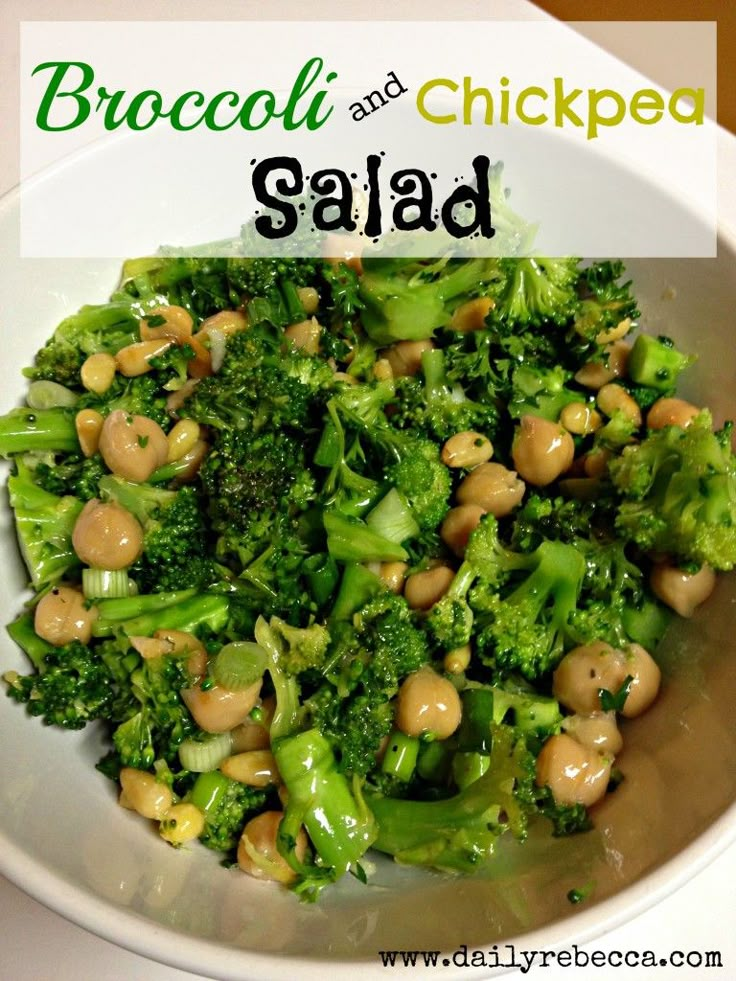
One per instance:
(508,956)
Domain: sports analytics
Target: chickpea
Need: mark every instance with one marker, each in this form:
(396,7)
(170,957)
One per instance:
(182,642)
(227,322)
(466,449)
(580,419)
(382,370)
(255,768)
(305,336)
(671,412)
(595,464)
(621,329)
(595,731)
(542,450)
(583,671)
(88,423)
(492,487)
(596,374)
(200,365)
(190,463)
(613,398)
(393,574)
(424,589)
(338,248)
(428,704)
(182,439)
(574,773)
(458,660)
(682,591)
(309,298)
(182,823)
(458,525)
(405,357)
(258,852)
(97,373)
(62,616)
(106,536)
(177,399)
(250,735)
(134,360)
(133,446)
(472,315)
(646,678)
(144,794)
(177,325)
(219,710)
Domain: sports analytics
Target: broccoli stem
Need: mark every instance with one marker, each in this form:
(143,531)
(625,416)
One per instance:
(38,430)
(24,635)
(322,574)
(656,364)
(340,827)
(209,790)
(161,611)
(359,585)
(400,758)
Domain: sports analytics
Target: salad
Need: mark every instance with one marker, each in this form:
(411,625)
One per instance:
(364,554)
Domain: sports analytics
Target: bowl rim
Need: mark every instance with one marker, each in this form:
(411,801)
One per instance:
(168,946)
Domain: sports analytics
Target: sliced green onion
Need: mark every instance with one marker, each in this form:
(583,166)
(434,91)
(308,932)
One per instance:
(205,756)
(239,665)
(50,395)
(209,790)
(105,583)
(392,518)
(400,758)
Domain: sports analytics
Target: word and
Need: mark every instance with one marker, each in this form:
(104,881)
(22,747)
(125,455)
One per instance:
(536,106)
(69,100)
(333,208)
(377,99)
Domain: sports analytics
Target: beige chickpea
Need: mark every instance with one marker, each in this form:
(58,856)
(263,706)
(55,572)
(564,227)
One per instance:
(188,465)
(492,487)
(580,419)
(135,359)
(597,374)
(177,399)
(250,735)
(309,299)
(393,575)
(472,315)
(405,357)
(182,438)
(182,642)
(338,248)
(542,450)
(466,449)
(258,852)
(177,325)
(182,823)
(458,526)
(458,660)
(613,398)
(61,616)
(305,336)
(646,678)
(106,536)
(682,591)
(227,322)
(584,671)
(671,412)
(88,424)
(219,710)
(255,768)
(424,589)
(597,731)
(621,329)
(133,446)
(428,704)
(144,794)
(382,370)
(574,773)
(97,373)
(595,464)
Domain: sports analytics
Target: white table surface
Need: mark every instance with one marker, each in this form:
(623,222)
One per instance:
(37,944)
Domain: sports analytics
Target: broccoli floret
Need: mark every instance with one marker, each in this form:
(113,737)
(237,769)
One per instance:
(678,489)
(227,806)
(604,301)
(175,535)
(524,628)
(38,431)
(537,290)
(161,722)
(73,475)
(72,687)
(44,524)
(541,392)
(656,363)
(460,833)
(410,299)
(305,647)
(94,329)
(141,396)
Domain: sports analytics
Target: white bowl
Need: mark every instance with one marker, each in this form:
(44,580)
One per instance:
(65,841)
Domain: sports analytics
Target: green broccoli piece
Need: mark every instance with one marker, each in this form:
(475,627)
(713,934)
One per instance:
(541,392)
(38,431)
(604,301)
(537,290)
(656,363)
(678,493)
(306,647)
(410,299)
(141,396)
(227,806)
